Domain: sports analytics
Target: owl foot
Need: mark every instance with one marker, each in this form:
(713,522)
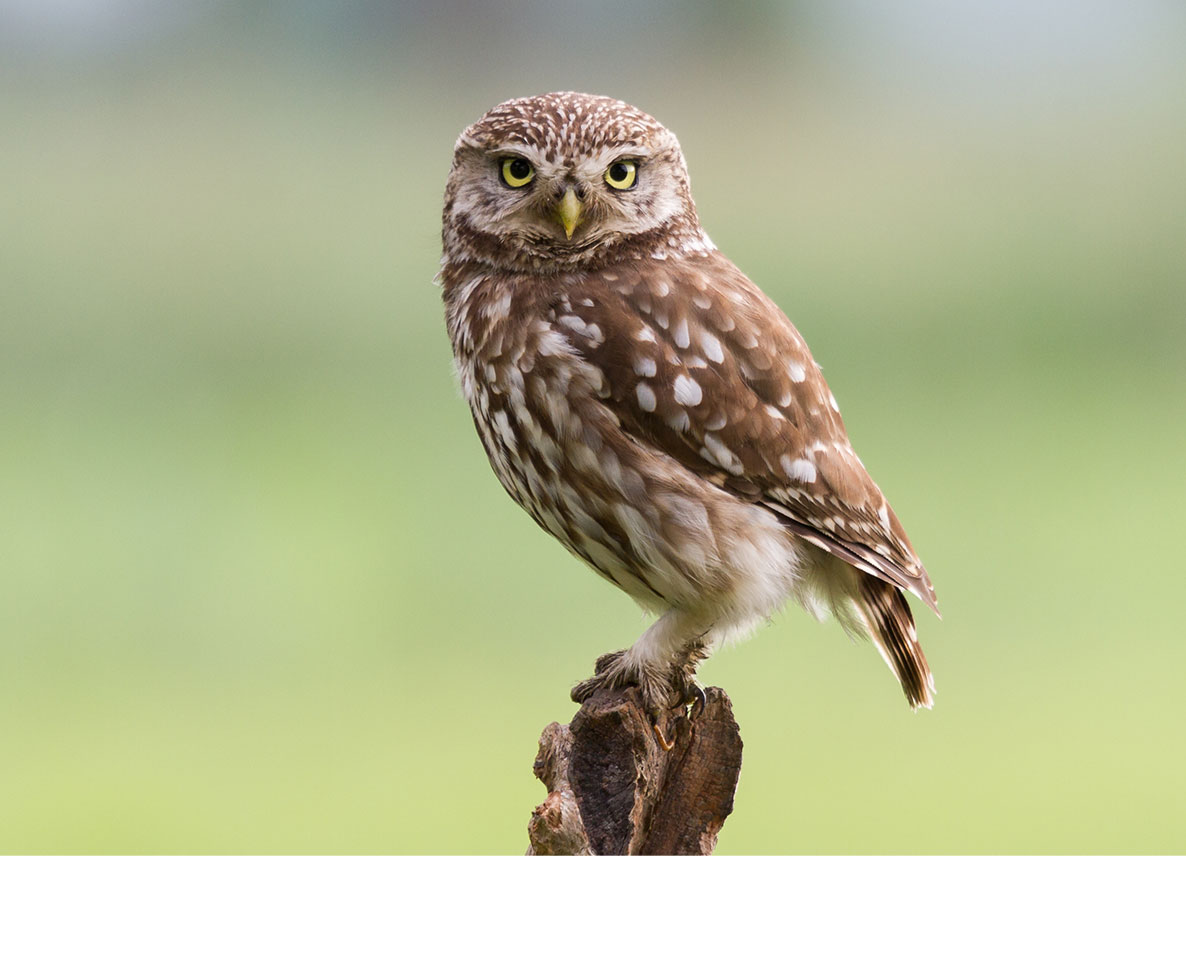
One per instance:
(609,671)
(617,670)
(614,671)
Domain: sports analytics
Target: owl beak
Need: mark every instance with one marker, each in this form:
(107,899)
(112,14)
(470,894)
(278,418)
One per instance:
(568,212)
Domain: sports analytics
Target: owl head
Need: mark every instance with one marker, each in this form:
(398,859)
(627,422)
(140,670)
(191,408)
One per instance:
(564,180)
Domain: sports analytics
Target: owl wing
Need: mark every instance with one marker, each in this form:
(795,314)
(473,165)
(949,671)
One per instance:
(704,367)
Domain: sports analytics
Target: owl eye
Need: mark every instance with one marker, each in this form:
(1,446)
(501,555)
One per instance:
(622,174)
(516,172)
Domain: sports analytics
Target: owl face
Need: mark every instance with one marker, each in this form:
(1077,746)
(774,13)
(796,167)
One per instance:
(564,179)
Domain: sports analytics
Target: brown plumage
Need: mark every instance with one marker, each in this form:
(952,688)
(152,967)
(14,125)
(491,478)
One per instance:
(648,405)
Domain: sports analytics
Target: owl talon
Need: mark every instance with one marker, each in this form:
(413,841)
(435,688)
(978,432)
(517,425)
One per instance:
(614,671)
(692,699)
(688,693)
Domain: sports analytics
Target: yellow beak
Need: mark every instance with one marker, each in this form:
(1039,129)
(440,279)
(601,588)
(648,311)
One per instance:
(568,212)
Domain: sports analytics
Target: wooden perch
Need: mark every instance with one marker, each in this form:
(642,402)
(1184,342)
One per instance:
(613,790)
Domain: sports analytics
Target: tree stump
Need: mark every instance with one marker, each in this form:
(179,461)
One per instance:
(614,790)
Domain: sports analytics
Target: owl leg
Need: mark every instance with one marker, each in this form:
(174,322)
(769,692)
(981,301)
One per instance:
(661,664)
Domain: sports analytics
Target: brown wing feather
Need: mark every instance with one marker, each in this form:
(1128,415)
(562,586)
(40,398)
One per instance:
(703,366)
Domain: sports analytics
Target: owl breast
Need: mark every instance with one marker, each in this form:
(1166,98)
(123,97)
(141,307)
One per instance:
(642,520)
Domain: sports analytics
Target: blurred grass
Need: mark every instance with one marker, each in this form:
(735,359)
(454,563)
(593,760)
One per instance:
(262,594)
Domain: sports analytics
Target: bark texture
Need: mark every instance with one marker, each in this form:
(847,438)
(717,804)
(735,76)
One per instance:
(614,790)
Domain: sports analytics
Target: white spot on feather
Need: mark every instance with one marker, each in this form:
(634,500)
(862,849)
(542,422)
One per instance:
(799,470)
(712,348)
(687,391)
(680,334)
(551,344)
(678,421)
(644,367)
(576,324)
(646,397)
(715,451)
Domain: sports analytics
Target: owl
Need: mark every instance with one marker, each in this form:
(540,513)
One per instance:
(649,406)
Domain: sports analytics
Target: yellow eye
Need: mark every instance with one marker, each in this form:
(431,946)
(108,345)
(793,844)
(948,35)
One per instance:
(622,174)
(517,172)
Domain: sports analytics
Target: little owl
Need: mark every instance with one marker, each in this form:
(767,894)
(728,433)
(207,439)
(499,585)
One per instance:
(649,406)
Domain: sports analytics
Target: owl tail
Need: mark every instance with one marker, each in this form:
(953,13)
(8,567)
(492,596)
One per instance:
(888,620)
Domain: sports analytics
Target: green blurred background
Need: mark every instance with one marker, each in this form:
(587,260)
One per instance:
(260,591)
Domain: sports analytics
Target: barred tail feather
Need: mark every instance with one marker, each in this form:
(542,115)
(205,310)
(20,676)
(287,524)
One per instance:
(887,617)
